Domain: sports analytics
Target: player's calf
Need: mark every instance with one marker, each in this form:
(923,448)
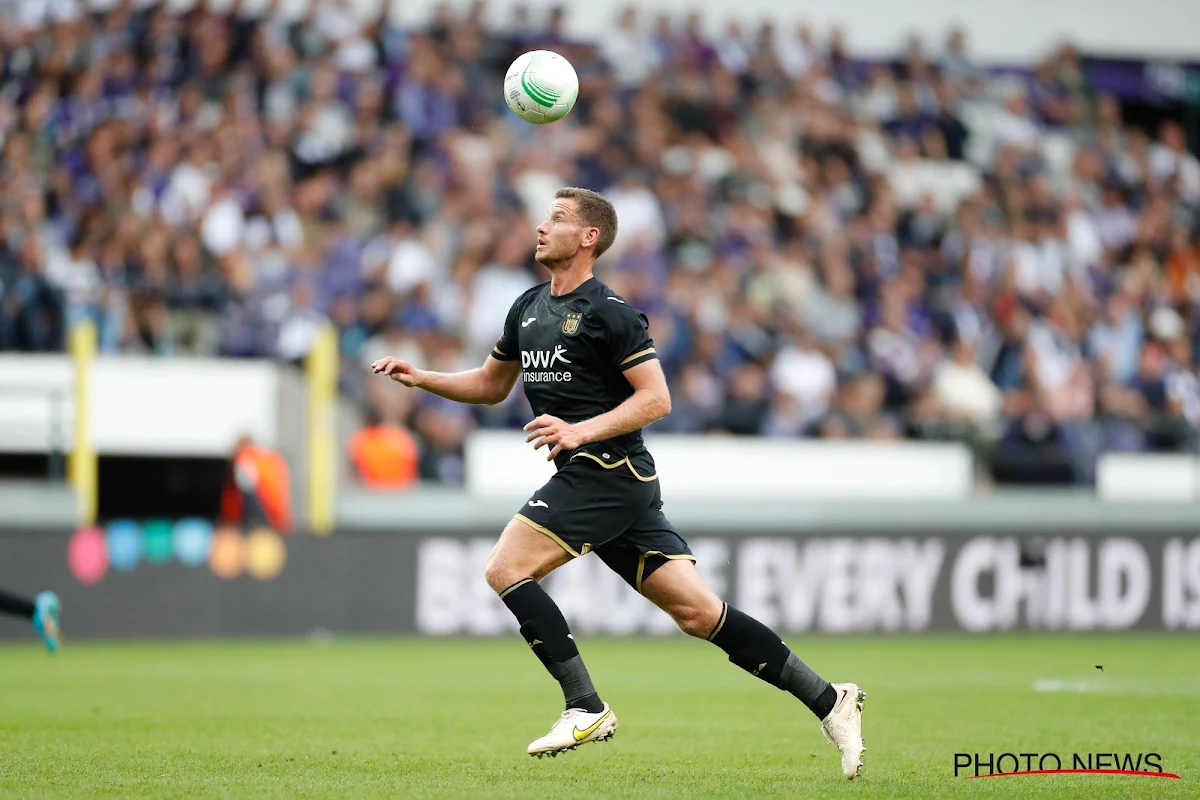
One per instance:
(757,649)
(587,718)
(17,605)
(521,558)
(549,637)
(679,590)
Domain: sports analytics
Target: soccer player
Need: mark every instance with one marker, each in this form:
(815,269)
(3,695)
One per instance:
(43,611)
(592,377)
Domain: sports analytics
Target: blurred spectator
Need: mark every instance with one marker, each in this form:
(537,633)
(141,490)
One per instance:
(1015,125)
(1170,161)
(384,456)
(1183,266)
(300,324)
(746,404)
(956,63)
(1116,339)
(965,392)
(502,276)
(33,311)
(258,489)
(804,373)
(826,246)
(630,50)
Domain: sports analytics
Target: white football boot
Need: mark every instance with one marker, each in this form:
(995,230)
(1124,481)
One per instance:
(575,727)
(843,727)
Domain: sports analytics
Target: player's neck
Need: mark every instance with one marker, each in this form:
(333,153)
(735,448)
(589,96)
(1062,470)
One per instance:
(569,278)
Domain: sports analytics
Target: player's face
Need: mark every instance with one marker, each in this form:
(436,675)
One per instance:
(561,234)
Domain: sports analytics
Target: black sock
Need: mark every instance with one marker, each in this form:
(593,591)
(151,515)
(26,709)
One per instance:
(16,605)
(546,631)
(757,649)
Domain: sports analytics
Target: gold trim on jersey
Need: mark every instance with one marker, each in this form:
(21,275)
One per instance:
(636,356)
(623,462)
(642,564)
(558,540)
(499,352)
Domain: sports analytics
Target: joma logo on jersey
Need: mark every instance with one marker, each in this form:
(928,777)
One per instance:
(539,365)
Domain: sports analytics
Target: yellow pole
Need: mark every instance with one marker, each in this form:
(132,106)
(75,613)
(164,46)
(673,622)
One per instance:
(82,470)
(321,369)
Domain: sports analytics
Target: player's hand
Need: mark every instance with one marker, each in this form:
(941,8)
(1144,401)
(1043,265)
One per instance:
(552,432)
(397,370)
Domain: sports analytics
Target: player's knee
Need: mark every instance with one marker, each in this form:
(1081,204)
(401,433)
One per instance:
(696,619)
(500,574)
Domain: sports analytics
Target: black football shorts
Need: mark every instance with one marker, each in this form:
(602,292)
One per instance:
(612,510)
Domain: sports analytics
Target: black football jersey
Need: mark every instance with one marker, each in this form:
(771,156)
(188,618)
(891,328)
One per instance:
(574,350)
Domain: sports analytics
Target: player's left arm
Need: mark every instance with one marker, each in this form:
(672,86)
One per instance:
(650,401)
(631,351)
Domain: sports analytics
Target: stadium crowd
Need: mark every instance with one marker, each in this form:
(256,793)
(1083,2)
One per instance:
(825,247)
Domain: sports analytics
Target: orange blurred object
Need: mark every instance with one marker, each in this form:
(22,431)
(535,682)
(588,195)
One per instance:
(1182,269)
(263,474)
(385,456)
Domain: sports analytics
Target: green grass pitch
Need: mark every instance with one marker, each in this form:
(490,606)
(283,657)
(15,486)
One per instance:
(410,718)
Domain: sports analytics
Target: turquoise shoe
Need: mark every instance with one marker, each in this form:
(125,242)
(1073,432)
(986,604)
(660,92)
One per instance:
(46,616)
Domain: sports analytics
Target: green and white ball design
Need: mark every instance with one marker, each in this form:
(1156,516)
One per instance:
(541,87)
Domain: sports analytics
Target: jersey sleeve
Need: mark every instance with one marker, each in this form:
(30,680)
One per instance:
(506,348)
(628,336)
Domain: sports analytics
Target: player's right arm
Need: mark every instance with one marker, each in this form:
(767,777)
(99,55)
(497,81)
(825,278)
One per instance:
(486,385)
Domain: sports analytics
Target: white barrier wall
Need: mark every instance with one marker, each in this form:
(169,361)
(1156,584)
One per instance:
(140,406)
(501,464)
(1141,477)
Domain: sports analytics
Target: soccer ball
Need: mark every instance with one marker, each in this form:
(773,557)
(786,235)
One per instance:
(541,87)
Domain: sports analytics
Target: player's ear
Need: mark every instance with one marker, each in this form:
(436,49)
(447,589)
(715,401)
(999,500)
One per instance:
(590,237)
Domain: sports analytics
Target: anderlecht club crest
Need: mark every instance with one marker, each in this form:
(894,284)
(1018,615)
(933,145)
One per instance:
(571,324)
